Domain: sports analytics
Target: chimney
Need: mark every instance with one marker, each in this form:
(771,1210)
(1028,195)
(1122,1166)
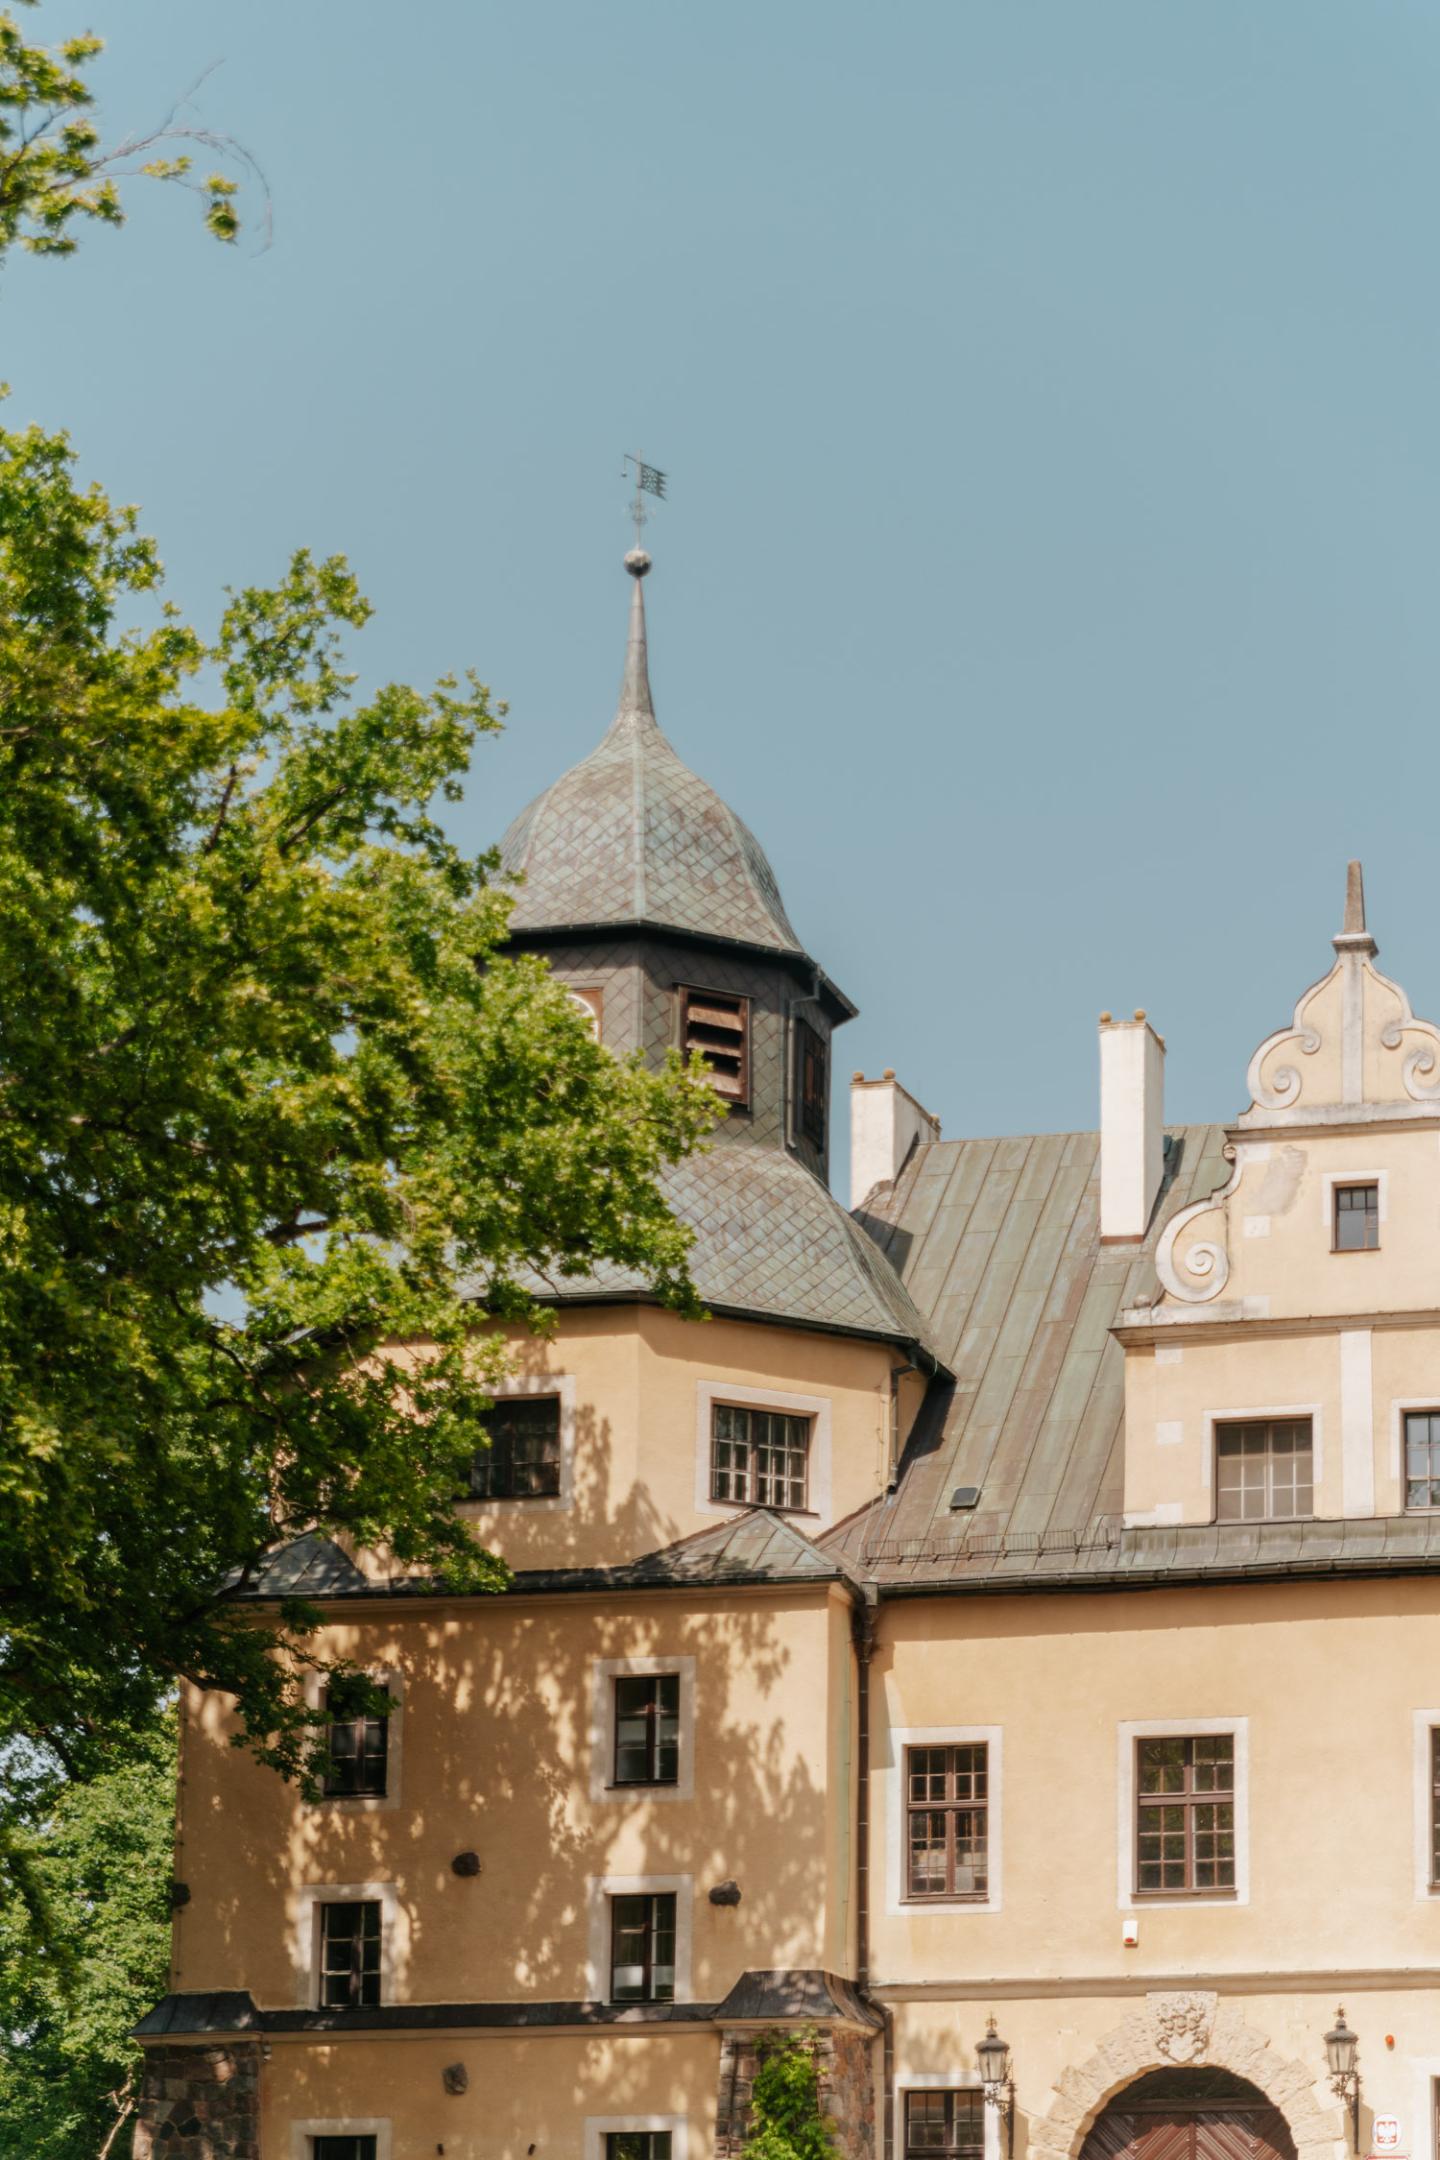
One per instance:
(885,1123)
(1132,1125)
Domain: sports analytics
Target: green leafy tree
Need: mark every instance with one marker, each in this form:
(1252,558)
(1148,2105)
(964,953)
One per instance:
(98,1857)
(57,172)
(786,2118)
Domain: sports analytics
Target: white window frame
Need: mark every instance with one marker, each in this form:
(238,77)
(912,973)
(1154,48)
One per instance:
(818,1468)
(1311,1410)
(599,2127)
(908,2081)
(1179,1727)
(1399,1405)
(563,1385)
(376,2126)
(898,1906)
(305,1935)
(599,1891)
(1329,1179)
(386,1676)
(604,1673)
(1423,1722)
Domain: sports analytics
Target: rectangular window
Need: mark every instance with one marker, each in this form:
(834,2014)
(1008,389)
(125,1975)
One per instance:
(810,1083)
(1264,1470)
(1435,1807)
(947,2123)
(1422,1458)
(719,1028)
(647,1729)
(358,1743)
(349,1954)
(947,1802)
(1357,1218)
(642,1948)
(637,2145)
(759,1458)
(343,2148)
(522,1461)
(1185,1816)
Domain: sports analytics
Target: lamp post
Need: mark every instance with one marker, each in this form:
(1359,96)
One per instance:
(996,2082)
(1341,2048)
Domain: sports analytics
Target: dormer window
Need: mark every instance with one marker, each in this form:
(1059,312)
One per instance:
(718,1026)
(1357,1218)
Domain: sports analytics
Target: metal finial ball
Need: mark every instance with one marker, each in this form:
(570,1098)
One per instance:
(637,562)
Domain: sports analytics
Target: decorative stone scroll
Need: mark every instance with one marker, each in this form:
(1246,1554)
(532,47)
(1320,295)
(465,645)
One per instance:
(1201,1270)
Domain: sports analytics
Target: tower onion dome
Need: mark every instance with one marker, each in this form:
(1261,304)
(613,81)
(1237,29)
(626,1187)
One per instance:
(631,836)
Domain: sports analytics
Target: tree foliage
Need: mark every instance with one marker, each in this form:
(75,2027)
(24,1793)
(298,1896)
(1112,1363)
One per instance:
(98,1857)
(56,172)
(786,2118)
(274,1108)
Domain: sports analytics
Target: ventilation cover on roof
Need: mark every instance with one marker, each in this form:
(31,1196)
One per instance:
(964,1496)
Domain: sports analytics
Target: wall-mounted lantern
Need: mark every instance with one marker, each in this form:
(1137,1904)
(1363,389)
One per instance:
(996,2082)
(1341,2048)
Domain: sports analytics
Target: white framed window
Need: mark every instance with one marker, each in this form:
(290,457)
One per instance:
(612,1720)
(916,2136)
(309,2137)
(315,1686)
(562,1386)
(601,1894)
(307,1934)
(816,1409)
(603,2133)
(955,1754)
(590,999)
(1218,1421)
(1333,1181)
(1236,1797)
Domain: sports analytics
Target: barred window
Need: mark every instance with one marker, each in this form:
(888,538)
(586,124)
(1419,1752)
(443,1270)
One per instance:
(647,1729)
(522,1461)
(1422,1458)
(349,1954)
(944,2123)
(343,2148)
(1185,1816)
(1357,1218)
(759,1458)
(642,1948)
(947,1806)
(1264,1470)
(637,2145)
(358,1744)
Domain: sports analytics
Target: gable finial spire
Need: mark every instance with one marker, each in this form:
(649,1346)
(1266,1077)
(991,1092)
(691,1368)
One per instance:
(635,701)
(1354,937)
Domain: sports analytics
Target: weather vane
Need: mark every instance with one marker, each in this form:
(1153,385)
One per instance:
(649,480)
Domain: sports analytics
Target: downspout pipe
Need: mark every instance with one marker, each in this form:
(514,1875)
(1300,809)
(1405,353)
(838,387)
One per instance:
(863,1636)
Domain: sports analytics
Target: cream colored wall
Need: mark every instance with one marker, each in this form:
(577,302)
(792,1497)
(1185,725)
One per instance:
(1330,1677)
(495,1757)
(528,2093)
(1355,1384)
(638,1373)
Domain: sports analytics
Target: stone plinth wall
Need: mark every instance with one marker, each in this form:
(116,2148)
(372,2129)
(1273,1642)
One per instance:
(200,2103)
(847,2089)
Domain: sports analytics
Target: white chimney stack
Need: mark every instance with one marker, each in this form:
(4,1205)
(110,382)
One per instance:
(1132,1124)
(885,1123)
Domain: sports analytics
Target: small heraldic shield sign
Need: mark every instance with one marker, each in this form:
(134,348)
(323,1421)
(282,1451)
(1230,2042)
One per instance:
(1385,2138)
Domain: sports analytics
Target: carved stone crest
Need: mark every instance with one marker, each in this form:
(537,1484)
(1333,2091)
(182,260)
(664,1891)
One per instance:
(1181,2024)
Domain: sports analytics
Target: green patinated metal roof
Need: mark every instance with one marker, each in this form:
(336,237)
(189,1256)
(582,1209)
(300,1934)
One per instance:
(631,835)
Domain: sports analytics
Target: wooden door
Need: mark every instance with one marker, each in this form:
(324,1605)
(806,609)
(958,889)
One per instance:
(1189,2115)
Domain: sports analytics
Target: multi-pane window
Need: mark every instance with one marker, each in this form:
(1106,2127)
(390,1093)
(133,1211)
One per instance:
(944,2123)
(1422,1458)
(349,1954)
(947,1804)
(1357,1218)
(1185,1816)
(522,1461)
(358,1743)
(810,1082)
(637,2145)
(647,1729)
(345,2147)
(642,1948)
(759,1457)
(718,1027)
(1264,1470)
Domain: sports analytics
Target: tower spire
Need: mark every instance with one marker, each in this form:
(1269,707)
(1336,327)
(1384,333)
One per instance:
(635,701)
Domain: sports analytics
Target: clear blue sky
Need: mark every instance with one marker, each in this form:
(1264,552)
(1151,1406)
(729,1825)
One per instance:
(1049,395)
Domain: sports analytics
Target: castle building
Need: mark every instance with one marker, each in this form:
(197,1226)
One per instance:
(996,1645)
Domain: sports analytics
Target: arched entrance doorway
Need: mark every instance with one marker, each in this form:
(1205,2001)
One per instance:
(1189,2115)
